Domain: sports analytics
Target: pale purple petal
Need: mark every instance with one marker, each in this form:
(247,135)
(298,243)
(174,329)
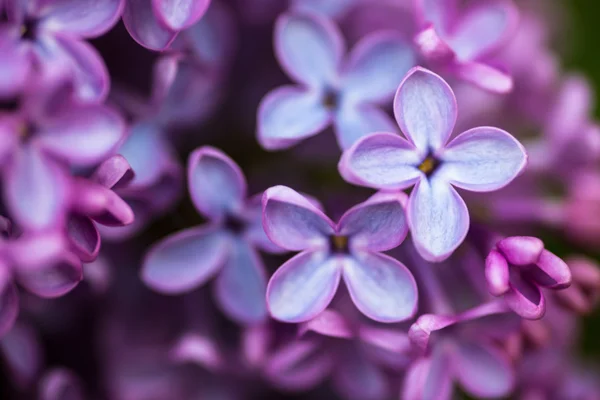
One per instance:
(114,173)
(381,287)
(525,298)
(440,13)
(356,377)
(482,159)
(429,378)
(485,76)
(60,384)
(483,28)
(289,114)
(309,47)
(83,136)
(35,189)
(497,273)
(22,353)
(425,108)
(291,221)
(438,219)
(387,347)
(521,250)
(330,8)
(216,183)
(185,260)
(329,323)
(376,67)
(164,74)
(9,301)
(420,332)
(15,66)
(354,121)
(83,18)
(84,237)
(483,371)
(303,287)
(179,14)
(52,279)
(255,232)
(378,224)
(144,27)
(554,272)
(241,284)
(382,161)
(101,204)
(198,349)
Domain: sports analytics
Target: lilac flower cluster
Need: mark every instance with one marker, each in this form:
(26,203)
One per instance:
(432,155)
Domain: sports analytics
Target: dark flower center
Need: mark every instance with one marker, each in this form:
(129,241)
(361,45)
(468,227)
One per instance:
(429,165)
(330,99)
(339,244)
(234,224)
(28,29)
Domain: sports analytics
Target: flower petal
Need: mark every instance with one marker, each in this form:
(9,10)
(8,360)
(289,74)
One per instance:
(382,161)
(255,232)
(378,224)
(497,273)
(51,280)
(429,378)
(483,371)
(15,66)
(144,27)
(440,13)
(241,285)
(521,250)
(381,287)
(525,298)
(329,323)
(438,219)
(101,204)
(303,287)
(291,221)
(113,173)
(376,67)
(216,183)
(482,159)
(185,260)
(9,301)
(356,377)
(35,189)
(84,136)
(289,114)
(22,354)
(425,108)
(354,121)
(83,18)
(84,238)
(179,14)
(484,76)
(553,272)
(483,29)
(309,47)
(60,384)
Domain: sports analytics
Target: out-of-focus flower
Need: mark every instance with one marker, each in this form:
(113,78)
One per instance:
(481,159)
(155,23)
(22,354)
(225,247)
(332,90)
(461,348)
(518,268)
(460,41)
(42,37)
(381,287)
(584,293)
(60,384)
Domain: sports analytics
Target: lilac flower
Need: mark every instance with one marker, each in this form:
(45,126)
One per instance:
(96,202)
(461,41)
(155,23)
(583,295)
(332,8)
(48,132)
(482,159)
(461,348)
(518,268)
(48,36)
(59,384)
(225,247)
(381,287)
(331,90)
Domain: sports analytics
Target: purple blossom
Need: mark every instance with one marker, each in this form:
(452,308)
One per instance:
(481,159)
(48,36)
(225,247)
(381,287)
(155,23)
(332,89)
(461,41)
(59,384)
(517,270)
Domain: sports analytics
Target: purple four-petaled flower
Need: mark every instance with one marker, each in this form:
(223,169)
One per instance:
(481,159)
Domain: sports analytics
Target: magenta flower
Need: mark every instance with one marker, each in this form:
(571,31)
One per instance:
(381,287)
(39,140)
(481,159)
(225,247)
(155,23)
(97,203)
(461,348)
(49,36)
(461,41)
(518,268)
(331,90)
